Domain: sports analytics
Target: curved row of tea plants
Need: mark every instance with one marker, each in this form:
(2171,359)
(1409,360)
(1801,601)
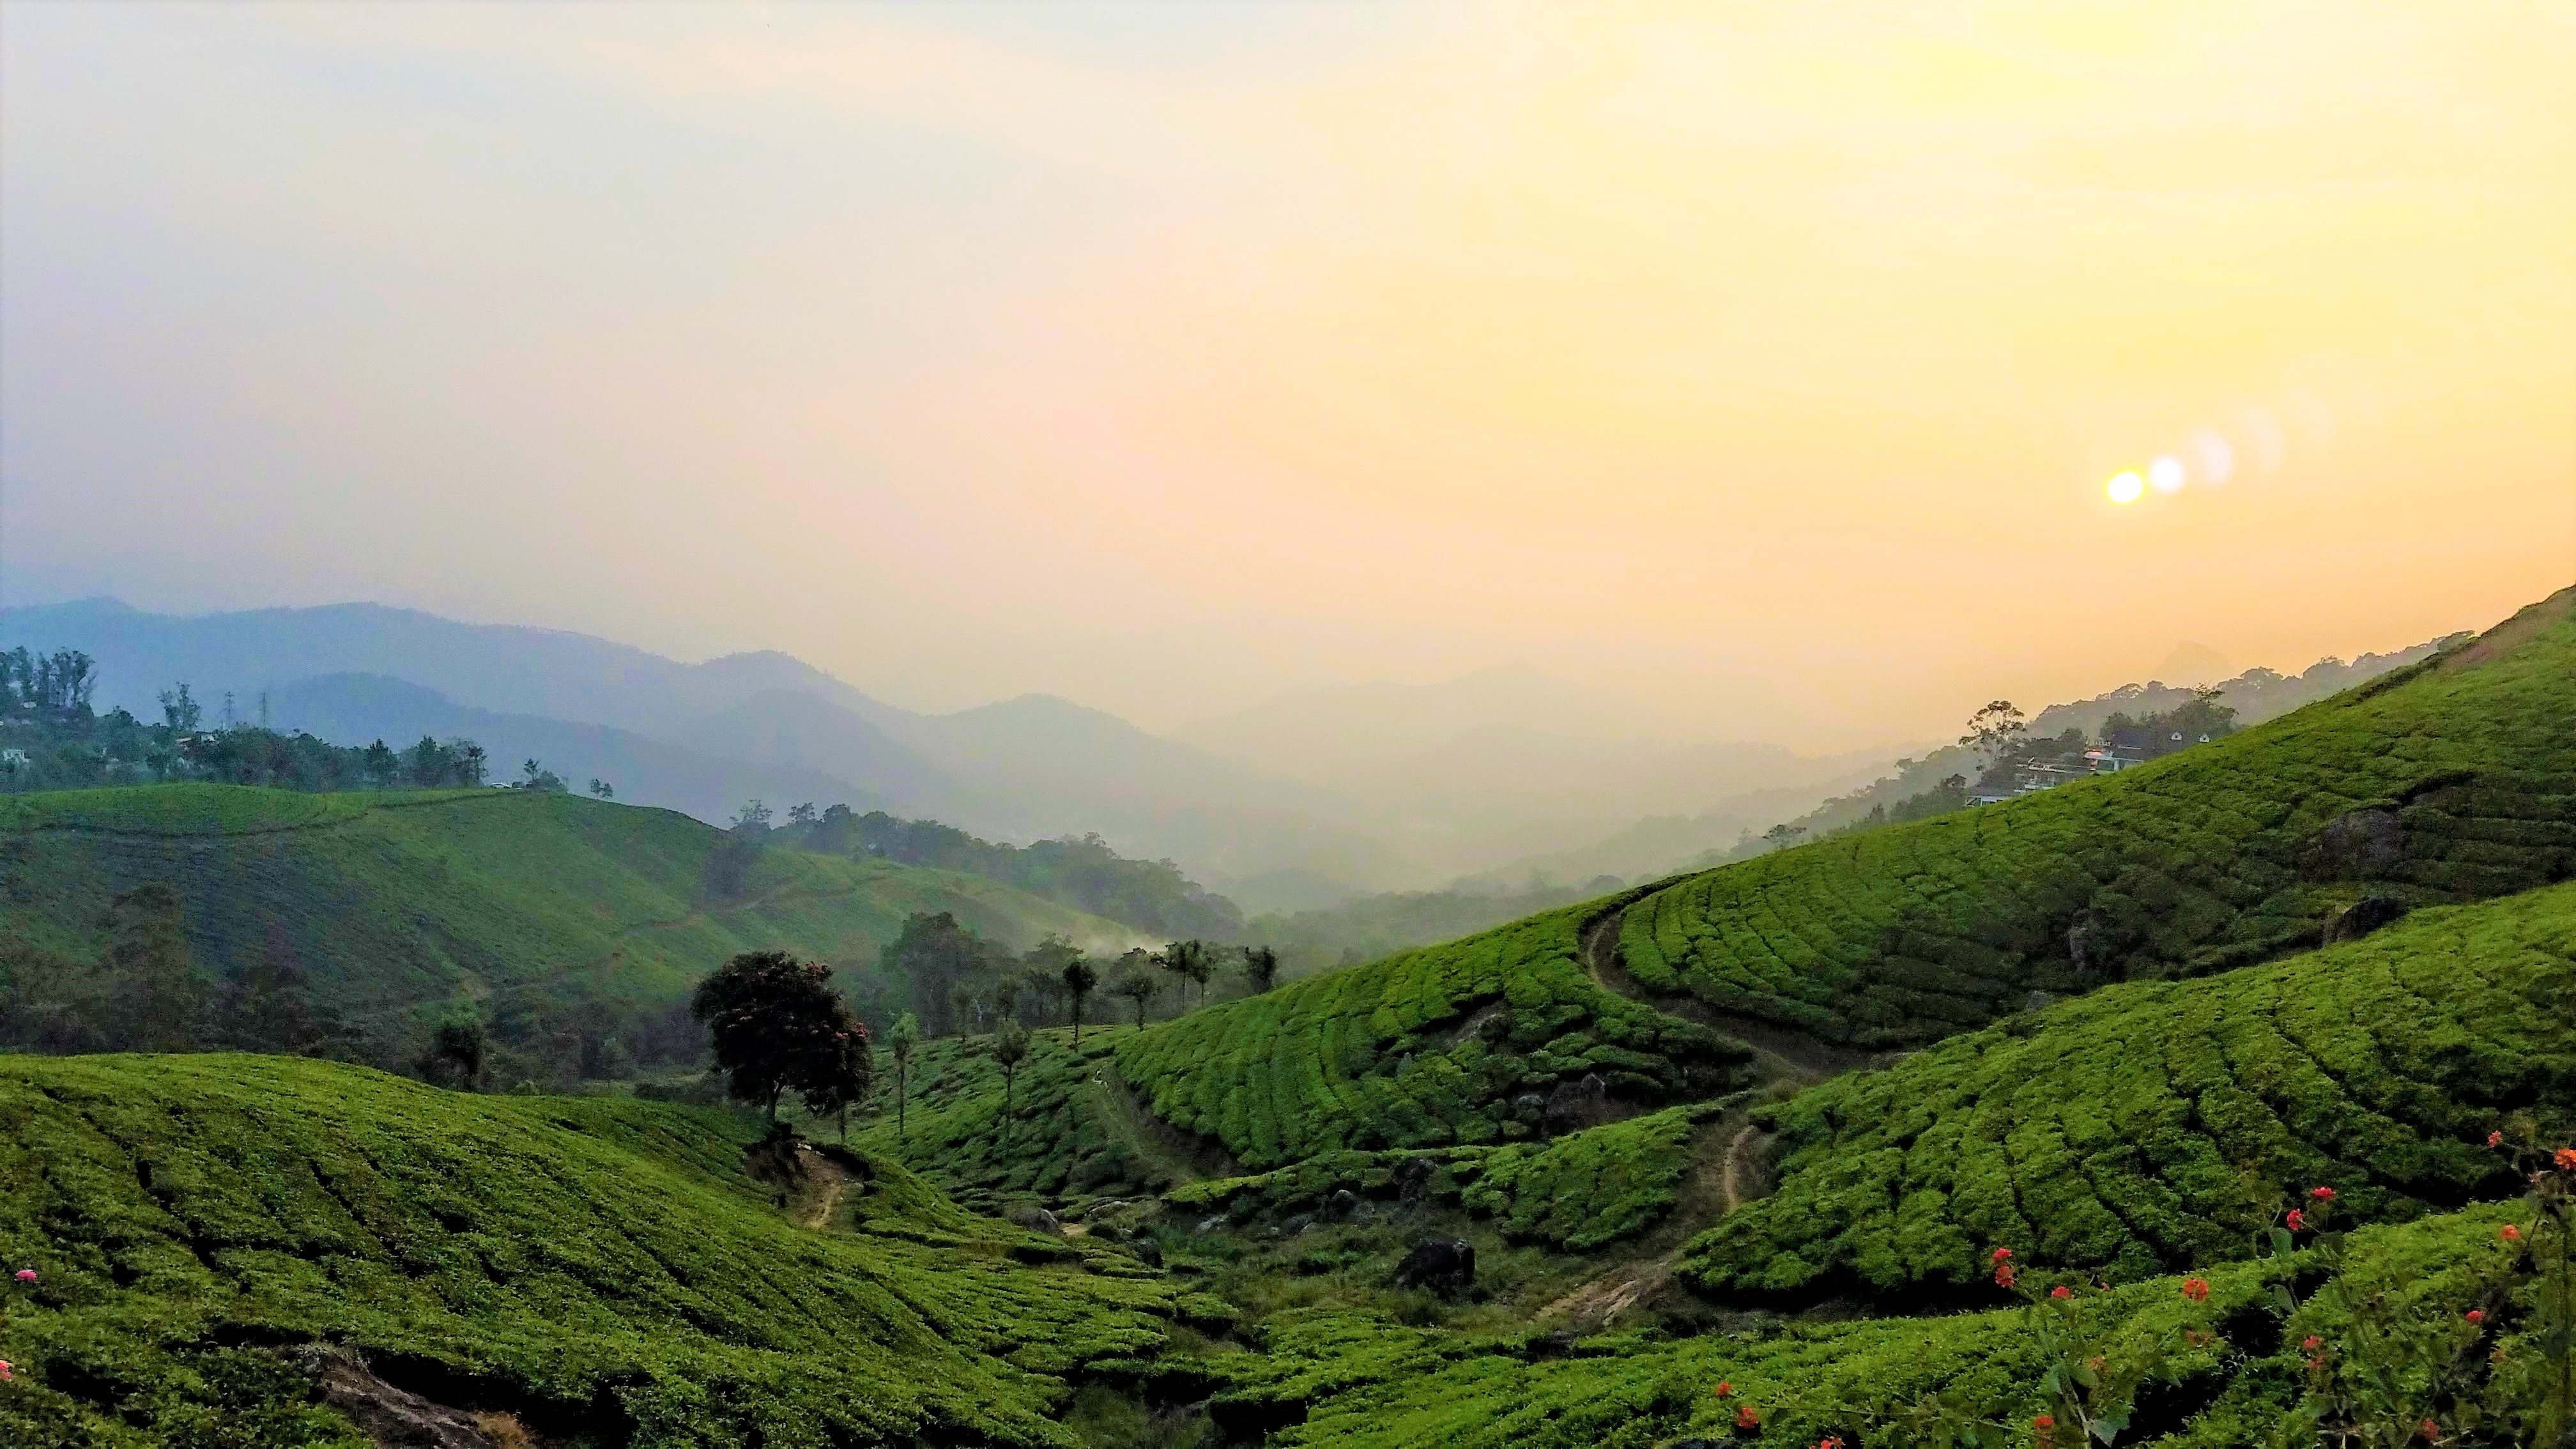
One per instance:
(2153,1126)
(1578,1192)
(601,1268)
(2220,1370)
(2451,780)
(1449,1044)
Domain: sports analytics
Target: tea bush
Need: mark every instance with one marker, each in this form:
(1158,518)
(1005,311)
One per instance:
(2154,1126)
(2450,780)
(602,1268)
(1449,1044)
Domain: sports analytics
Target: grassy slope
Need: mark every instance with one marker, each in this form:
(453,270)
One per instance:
(400,899)
(1342,1379)
(2153,1126)
(1068,1140)
(2205,860)
(1383,1055)
(590,1265)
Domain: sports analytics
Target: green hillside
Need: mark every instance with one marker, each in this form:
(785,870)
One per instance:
(523,900)
(600,1271)
(2453,779)
(2155,1126)
(1457,1043)
(2218,1373)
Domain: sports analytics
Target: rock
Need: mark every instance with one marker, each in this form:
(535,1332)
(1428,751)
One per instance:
(1529,1106)
(1413,1178)
(1443,1265)
(388,1416)
(1342,1206)
(2363,917)
(2039,1001)
(1293,1226)
(2088,943)
(1147,1251)
(2368,844)
(1037,1220)
(1576,1105)
(1209,1224)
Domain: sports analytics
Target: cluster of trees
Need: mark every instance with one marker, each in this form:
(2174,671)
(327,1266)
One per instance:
(961,984)
(2003,749)
(51,739)
(1151,895)
(146,992)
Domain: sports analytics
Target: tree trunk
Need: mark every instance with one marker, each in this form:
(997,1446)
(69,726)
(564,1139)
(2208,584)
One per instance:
(901,1091)
(1077,1023)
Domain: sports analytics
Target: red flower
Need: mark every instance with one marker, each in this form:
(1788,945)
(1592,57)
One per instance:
(1724,1388)
(2004,1276)
(2429,1430)
(2495,1139)
(2043,1421)
(2310,1342)
(2298,1221)
(2060,1291)
(2195,1289)
(1745,1418)
(2477,1315)
(2566,1157)
(2322,1194)
(2001,1254)
(2317,1362)
(2509,1233)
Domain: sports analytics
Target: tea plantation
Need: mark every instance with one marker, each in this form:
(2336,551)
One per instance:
(1452,1044)
(2451,780)
(397,900)
(2154,1126)
(2221,1371)
(602,1270)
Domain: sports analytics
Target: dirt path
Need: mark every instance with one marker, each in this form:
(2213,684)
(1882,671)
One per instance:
(1788,1052)
(1115,1106)
(1730,1181)
(835,1180)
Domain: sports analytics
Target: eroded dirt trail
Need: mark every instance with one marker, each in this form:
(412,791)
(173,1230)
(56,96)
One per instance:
(834,1180)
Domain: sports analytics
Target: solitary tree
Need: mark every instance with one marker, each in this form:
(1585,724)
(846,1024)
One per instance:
(1137,985)
(459,1046)
(1006,996)
(1261,967)
(1993,729)
(1080,978)
(905,1036)
(602,788)
(1782,836)
(778,1025)
(1010,1048)
(1189,961)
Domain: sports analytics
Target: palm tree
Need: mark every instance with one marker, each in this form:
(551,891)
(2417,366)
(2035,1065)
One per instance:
(1080,976)
(905,1036)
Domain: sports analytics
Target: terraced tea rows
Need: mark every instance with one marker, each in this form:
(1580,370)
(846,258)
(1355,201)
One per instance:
(2451,780)
(2155,1126)
(1453,1044)
(589,1264)
(404,899)
(2227,1369)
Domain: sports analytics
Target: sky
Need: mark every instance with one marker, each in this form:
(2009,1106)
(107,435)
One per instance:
(1765,371)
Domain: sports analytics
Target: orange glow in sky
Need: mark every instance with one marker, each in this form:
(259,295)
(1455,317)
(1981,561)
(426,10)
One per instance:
(1760,366)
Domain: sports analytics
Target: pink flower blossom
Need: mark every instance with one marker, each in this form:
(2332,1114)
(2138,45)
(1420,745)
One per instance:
(26,1275)
(2322,1194)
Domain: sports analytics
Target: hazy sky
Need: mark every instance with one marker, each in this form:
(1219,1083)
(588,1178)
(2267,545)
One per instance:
(1762,364)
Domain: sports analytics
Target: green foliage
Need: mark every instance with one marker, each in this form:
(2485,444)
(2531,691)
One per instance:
(1071,1136)
(2154,1126)
(604,1269)
(1425,1048)
(2452,780)
(542,907)
(1591,1187)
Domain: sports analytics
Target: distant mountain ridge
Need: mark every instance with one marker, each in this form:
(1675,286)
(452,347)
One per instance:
(1026,768)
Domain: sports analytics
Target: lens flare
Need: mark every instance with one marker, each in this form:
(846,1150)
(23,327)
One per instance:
(2166,473)
(2217,459)
(2126,488)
